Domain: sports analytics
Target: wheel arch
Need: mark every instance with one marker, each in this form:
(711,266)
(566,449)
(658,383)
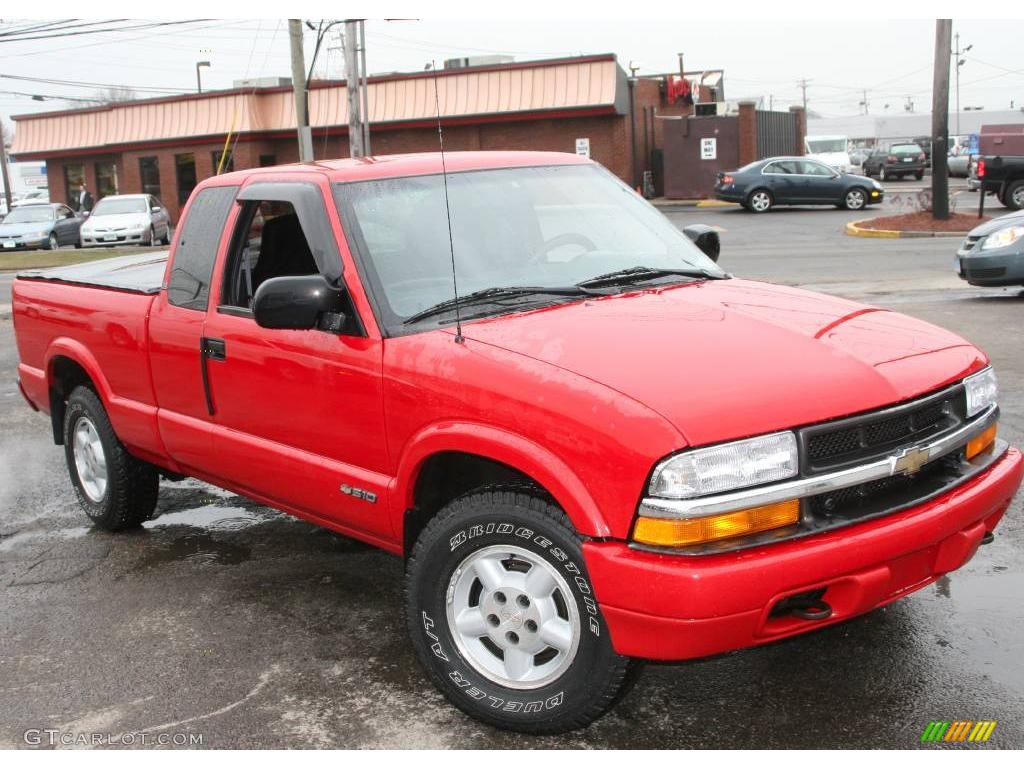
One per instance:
(446,460)
(68,365)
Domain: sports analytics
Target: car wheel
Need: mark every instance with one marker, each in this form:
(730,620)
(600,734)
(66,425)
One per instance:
(116,490)
(882,176)
(855,199)
(502,616)
(152,237)
(1013,198)
(919,176)
(52,243)
(760,201)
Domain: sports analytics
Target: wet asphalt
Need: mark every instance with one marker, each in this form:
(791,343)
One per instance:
(230,621)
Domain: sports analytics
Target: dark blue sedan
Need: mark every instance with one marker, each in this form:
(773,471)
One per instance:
(795,181)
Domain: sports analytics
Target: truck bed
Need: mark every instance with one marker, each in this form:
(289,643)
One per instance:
(138,273)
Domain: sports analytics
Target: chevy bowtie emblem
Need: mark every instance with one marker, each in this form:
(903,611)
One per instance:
(910,461)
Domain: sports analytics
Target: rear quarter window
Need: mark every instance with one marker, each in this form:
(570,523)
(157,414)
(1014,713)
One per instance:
(196,251)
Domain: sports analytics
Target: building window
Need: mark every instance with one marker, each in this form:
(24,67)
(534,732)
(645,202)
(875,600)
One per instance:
(185,170)
(74,174)
(106,179)
(229,164)
(149,174)
(267,160)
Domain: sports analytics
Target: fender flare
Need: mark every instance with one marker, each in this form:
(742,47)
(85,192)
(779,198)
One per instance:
(505,447)
(80,354)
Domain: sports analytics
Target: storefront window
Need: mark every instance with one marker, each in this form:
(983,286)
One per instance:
(185,169)
(106,179)
(149,173)
(74,174)
(229,164)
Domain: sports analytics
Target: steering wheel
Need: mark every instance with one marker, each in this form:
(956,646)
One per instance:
(566,238)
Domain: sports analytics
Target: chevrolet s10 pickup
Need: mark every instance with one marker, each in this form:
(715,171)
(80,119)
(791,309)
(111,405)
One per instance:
(606,449)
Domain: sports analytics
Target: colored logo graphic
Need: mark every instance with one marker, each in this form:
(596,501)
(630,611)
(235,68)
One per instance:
(959,730)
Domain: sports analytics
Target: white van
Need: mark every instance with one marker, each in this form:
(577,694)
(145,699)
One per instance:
(834,151)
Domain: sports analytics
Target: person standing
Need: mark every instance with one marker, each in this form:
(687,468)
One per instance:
(85,200)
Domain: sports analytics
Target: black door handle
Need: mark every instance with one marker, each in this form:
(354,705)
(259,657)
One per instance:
(210,349)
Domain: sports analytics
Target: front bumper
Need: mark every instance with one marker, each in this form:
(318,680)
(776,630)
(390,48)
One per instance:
(23,244)
(992,269)
(661,606)
(119,238)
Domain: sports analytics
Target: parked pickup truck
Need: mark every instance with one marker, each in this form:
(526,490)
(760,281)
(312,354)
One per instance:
(1002,176)
(607,449)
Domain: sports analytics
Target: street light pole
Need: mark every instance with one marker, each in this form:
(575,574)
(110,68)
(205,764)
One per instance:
(959,63)
(3,166)
(199,78)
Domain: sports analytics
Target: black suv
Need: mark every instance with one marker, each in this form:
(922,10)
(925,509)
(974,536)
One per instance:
(899,160)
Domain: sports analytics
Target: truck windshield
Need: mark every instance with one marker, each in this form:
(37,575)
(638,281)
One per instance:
(819,146)
(113,206)
(546,227)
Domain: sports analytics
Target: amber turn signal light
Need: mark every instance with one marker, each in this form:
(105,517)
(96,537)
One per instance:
(981,443)
(665,532)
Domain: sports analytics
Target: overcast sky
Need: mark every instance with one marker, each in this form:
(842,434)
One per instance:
(891,59)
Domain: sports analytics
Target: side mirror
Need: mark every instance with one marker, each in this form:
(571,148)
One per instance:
(300,302)
(706,238)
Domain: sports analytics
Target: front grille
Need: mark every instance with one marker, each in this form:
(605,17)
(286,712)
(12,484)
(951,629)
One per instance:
(986,272)
(888,492)
(860,439)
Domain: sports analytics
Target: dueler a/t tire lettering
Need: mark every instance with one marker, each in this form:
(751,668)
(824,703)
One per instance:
(523,520)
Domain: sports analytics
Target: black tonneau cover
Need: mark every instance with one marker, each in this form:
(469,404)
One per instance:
(139,273)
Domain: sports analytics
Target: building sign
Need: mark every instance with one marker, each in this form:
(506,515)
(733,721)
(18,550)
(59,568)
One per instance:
(34,180)
(583,147)
(708,149)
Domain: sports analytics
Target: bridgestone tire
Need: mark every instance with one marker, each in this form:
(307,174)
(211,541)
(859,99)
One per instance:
(132,485)
(523,518)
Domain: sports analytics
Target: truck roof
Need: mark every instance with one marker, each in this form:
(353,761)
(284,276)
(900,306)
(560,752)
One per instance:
(419,164)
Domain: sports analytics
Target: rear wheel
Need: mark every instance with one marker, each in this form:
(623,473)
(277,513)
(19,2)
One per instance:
(855,199)
(1014,196)
(760,201)
(501,614)
(116,490)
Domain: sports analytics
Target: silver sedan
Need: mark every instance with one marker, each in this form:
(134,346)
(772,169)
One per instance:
(122,219)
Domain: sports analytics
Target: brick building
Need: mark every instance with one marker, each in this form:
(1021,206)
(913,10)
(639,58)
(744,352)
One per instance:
(164,146)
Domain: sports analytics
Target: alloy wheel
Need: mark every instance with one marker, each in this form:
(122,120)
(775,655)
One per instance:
(90,460)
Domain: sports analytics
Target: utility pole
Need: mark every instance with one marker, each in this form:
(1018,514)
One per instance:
(353,85)
(3,166)
(803,87)
(305,135)
(365,90)
(940,119)
(864,103)
(959,63)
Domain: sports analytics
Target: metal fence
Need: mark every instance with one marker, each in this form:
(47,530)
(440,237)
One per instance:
(776,134)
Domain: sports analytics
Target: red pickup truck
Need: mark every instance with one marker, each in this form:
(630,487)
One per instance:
(607,449)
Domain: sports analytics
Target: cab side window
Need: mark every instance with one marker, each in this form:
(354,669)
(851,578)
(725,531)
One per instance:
(196,249)
(269,242)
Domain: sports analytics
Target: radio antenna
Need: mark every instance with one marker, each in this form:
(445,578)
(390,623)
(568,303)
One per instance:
(448,211)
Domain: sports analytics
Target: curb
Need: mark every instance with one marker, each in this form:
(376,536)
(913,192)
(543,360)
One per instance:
(854,229)
(662,202)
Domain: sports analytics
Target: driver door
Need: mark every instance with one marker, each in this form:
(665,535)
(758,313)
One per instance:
(299,411)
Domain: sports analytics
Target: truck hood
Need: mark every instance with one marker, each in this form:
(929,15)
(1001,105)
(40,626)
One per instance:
(725,359)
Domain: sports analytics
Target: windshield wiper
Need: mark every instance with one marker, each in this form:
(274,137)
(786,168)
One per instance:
(489,294)
(644,273)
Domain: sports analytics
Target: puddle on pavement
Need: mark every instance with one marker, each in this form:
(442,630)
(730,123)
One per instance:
(203,540)
(196,548)
(212,517)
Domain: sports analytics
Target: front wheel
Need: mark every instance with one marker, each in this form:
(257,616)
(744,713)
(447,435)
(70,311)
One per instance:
(52,244)
(503,617)
(760,201)
(116,490)
(855,200)
(882,175)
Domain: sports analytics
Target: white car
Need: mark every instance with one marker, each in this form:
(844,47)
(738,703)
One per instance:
(127,219)
(33,197)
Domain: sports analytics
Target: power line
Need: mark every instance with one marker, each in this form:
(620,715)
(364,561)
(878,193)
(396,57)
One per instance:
(73,32)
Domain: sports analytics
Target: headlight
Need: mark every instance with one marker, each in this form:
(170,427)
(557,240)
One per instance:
(1003,238)
(982,391)
(41,233)
(726,467)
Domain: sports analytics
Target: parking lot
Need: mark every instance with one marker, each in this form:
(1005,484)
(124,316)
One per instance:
(226,619)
